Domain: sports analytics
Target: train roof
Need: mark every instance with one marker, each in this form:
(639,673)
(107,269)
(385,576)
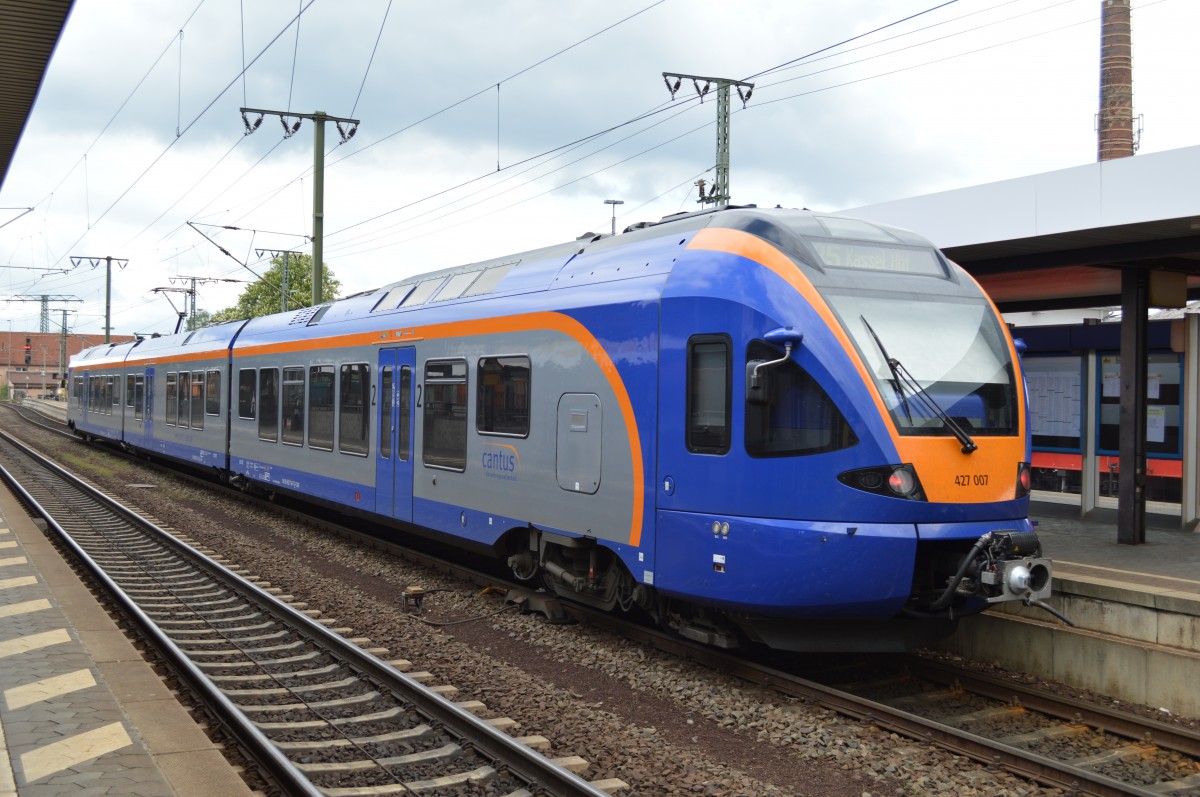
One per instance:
(105,353)
(639,251)
(593,258)
(212,338)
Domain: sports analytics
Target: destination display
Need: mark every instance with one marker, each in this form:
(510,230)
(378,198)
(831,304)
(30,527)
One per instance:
(877,257)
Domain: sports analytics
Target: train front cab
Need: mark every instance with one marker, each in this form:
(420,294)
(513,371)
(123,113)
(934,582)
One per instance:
(810,485)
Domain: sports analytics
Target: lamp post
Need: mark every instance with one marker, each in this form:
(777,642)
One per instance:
(614,203)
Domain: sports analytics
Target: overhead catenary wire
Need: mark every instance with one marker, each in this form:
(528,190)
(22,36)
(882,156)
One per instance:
(943,59)
(531,163)
(962,32)
(574,145)
(851,39)
(370,60)
(489,87)
(295,53)
(590,137)
(561,186)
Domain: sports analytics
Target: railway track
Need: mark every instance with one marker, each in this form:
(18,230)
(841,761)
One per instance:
(1072,745)
(1135,751)
(318,713)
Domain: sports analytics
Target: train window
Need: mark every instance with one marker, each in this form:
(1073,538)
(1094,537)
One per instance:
(212,394)
(317,316)
(445,415)
(354,421)
(456,285)
(839,227)
(114,395)
(293,406)
(502,405)
(77,389)
(246,384)
(793,415)
(129,390)
(422,292)
(268,404)
(709,388)
(172,398)
(490,279)
(446,369)
(185,399)
(392,299)
(198,400)
(385,413)
(405,411)
(139,395)
(320,407)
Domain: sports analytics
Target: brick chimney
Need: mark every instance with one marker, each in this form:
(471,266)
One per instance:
(1115,126)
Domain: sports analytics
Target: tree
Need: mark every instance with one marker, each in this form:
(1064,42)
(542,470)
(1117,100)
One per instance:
(264,296)
(200,320)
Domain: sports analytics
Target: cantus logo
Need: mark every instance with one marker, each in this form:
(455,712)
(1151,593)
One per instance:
(500,460)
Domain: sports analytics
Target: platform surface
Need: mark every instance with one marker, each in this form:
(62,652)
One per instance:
(1169,559)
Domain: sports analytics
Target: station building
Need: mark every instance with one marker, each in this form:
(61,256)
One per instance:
(35,363)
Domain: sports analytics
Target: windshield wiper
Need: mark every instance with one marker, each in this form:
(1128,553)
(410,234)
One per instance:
(902,379)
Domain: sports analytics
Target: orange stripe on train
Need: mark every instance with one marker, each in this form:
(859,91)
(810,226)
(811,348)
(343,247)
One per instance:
(488,326)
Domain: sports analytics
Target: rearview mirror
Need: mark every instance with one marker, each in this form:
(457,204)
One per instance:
(757,391)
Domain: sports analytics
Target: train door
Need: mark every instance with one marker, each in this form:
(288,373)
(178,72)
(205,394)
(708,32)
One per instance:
(148,406)
(696,465)
(394,462)
(85,402)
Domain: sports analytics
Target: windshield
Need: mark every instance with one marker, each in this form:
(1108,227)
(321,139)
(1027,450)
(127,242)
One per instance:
(954,349)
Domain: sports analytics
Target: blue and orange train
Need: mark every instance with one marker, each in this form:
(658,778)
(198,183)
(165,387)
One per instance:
(774,426)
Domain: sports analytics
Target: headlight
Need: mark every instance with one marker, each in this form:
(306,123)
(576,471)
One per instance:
(1024,479)
(894,481)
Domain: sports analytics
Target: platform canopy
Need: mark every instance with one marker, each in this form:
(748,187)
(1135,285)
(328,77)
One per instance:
(29,32)
(1061,239)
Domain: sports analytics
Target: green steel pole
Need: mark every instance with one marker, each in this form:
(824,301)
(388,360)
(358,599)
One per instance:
(318,204)
(108,299)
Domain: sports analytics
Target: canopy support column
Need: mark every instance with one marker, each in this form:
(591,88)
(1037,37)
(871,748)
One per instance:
(1131,495)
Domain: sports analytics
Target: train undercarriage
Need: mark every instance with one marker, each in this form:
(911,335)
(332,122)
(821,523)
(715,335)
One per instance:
(948,584)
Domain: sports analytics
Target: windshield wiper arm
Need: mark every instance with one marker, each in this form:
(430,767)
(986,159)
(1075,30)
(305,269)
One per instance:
(903,378)
(893,366)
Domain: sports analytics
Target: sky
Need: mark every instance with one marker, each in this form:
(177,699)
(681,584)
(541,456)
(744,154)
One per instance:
(487,129)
